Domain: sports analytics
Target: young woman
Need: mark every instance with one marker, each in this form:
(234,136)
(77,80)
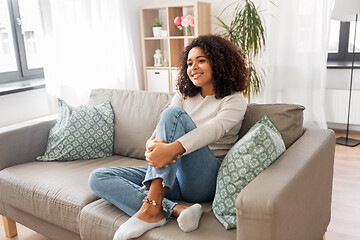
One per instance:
(192,134)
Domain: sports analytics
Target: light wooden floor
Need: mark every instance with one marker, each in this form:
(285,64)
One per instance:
(345,220)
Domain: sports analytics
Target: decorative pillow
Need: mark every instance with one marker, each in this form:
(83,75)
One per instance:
(82,132)
(252,154)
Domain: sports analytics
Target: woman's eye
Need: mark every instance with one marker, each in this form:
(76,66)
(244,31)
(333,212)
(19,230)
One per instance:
(189,64)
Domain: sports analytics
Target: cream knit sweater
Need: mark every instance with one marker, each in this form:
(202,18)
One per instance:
(218,121)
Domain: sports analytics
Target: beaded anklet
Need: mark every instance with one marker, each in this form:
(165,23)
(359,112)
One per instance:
(152,202)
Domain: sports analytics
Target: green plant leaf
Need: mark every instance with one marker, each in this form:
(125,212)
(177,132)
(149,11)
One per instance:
(247,31)
(156,23)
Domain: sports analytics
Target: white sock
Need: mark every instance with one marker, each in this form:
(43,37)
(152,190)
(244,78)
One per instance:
(135,227)
(189,218)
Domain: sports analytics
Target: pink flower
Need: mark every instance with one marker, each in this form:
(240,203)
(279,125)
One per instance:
(184,21)
(192,22)
(188,21)
(177,21)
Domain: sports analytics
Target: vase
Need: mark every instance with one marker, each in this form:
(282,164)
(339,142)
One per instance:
(157,31)
(188,31)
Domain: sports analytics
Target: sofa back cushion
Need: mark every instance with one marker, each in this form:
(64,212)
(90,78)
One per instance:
(136,114)
(287,118)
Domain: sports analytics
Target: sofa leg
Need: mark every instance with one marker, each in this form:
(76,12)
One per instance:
(10,227)
(323,238)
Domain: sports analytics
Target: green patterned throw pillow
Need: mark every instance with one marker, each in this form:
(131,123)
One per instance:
(82,132)
(252,154)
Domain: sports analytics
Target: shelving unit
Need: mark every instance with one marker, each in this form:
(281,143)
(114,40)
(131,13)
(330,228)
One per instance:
(172,42)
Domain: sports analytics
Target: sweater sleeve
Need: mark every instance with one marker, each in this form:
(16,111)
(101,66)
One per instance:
(230,114)
(177,100)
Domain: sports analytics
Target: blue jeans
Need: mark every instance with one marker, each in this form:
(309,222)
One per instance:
(192,178)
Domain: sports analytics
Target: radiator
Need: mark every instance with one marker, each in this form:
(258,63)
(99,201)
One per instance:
(336,106)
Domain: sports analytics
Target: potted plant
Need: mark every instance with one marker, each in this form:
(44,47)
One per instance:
(247,31)
(157,27)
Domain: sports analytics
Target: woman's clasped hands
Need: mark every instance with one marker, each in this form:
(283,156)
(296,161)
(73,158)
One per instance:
(160,154)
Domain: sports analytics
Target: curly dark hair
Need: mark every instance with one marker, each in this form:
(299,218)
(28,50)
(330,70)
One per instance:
(227,62)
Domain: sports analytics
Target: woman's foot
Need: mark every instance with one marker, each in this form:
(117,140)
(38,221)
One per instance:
(135,227)
(189,217)
(147,218)
(149,213)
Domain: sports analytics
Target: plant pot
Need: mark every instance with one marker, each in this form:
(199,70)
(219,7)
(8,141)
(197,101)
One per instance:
(157,31)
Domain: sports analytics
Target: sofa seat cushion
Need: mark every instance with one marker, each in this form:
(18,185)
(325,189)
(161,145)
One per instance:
(54,191)
(100,220)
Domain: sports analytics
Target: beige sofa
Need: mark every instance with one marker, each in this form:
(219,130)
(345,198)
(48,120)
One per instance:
(289,200)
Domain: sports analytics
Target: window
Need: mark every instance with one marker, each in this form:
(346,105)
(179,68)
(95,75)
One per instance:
(341,42)
(20,35)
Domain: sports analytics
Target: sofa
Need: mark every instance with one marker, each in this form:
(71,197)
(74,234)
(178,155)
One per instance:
(291,199)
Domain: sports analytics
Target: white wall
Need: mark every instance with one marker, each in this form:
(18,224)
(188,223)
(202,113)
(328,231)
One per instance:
(337,98)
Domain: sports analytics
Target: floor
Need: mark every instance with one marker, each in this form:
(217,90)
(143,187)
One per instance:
(345,221)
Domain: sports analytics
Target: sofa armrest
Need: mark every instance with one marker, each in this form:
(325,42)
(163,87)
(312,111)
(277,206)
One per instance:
(22,143)
(291,199)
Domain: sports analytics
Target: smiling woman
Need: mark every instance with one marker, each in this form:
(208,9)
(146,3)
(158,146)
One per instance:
(227,62)
(183,153)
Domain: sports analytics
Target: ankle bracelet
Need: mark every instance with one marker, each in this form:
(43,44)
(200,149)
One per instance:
(152,202)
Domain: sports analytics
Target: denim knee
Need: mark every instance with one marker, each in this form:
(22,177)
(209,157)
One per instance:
(95,179)
(173,123)
(172,111)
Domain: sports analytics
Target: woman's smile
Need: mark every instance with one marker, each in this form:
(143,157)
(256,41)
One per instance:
(196,75)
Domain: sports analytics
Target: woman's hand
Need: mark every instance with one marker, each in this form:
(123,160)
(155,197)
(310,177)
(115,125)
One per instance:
(160,154)
(151,140)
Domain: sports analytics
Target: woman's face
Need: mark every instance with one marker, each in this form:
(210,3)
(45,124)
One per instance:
(199,69)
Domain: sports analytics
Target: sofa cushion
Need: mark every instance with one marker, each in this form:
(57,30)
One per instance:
(80,133)
(54,191)
(136,115)
(100,220)
(251,155)
(287,118)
